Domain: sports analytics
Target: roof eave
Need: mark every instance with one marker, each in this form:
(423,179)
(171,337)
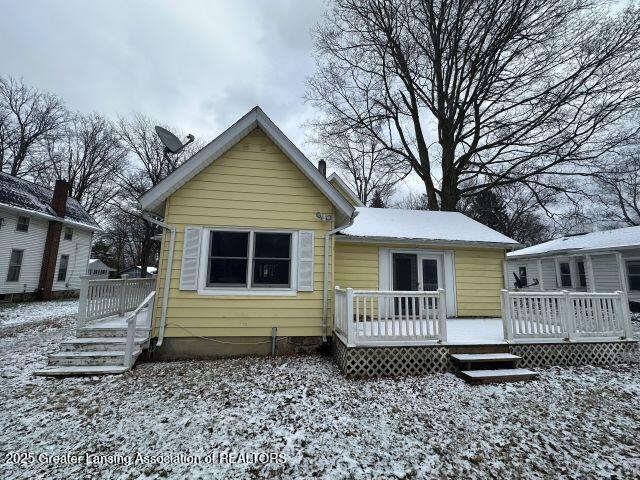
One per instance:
(346,238)
(153,199)
(46,216)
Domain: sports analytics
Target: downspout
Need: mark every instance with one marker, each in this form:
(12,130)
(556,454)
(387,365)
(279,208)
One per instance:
(167,275)
(325,275)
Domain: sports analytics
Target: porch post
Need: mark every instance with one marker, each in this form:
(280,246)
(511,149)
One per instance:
(540,280)
(123,288)
(349,317)
(569,315)
(84,298)
(442,314)
(506,315)
(626,314)
(621,271)
(590,276)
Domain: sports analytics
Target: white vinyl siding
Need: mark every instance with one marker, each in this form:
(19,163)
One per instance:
(32,242)
(78,250)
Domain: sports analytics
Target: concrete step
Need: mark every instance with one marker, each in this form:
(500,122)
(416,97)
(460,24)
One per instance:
(99,343)
(500,375)
(66,371)
(80,358)
(484,357)
(92,332)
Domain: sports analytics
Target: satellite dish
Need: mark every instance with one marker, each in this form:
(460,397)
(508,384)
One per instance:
(172,143)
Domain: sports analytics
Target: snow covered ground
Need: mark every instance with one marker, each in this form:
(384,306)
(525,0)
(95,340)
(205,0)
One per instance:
(12,314)
(573,422)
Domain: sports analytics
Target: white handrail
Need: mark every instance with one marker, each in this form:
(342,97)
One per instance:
(565,315)
(367,317)
(131,327)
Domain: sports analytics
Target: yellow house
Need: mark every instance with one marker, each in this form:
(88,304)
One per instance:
(259,246)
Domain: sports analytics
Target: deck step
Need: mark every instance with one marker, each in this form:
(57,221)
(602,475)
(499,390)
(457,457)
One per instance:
(92,357)
(499,375)
(99,343)
(484,357)
(66,371)
(90,332)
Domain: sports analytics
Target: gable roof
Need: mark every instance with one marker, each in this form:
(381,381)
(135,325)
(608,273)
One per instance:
(154,199)
(334,177)
(423,226)
(24,195)
(95,263)
(620,238)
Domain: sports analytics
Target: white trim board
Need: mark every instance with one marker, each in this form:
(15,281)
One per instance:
(353,196)
(153,199)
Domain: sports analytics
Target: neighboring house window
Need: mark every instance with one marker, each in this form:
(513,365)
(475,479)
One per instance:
(62,270)
(249,259)
(15,264)
(565,274)
(522,271)
(68,233)
(23,224)
(633,273)
(582,275)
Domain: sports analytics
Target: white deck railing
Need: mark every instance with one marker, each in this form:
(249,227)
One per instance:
(371,317)
(101,298)
(565,315)
(132,321)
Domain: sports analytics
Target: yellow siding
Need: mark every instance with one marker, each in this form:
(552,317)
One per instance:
(478,272)
(252,185)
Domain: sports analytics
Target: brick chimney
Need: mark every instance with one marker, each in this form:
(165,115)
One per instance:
(322,167)
(52,244)
(59,200)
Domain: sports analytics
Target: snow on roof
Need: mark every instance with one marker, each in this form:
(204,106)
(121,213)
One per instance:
(422,225)
(99,263)
(603,240)
(17,192)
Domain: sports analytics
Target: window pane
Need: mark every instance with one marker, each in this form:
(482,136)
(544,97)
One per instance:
(229,244)
(633,268)
(634,282)
(272,245)
(68,233)
(226,271)
(271,272)
(564,269)
(23,224)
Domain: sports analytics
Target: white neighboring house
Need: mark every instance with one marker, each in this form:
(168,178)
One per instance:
(45,239)
(97,268)
(605,261)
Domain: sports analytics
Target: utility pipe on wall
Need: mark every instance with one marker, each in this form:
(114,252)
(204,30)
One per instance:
(167,275)
(325,274)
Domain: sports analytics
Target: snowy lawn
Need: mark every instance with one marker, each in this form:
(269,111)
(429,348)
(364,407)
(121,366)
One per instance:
(13,314)
(573,422)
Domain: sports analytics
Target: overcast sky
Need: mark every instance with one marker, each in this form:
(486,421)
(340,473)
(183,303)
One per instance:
(197,65)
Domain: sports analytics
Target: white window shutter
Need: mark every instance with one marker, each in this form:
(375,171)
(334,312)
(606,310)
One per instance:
(190,259)
(305,261)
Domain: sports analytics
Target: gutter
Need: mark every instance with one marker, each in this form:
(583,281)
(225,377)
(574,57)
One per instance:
(167,275)
(325,275)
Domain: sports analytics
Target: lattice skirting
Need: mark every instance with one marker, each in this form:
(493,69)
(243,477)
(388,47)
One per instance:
(403,361)
(391,361)
(591,353)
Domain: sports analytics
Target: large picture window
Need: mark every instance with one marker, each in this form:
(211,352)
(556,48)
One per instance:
(249,259)
(633,273)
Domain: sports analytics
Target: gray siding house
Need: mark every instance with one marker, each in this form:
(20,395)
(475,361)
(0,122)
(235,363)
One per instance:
(605,261)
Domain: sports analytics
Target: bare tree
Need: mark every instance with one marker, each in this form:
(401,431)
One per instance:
(617,196)
(89,155)
(479,94)
(149,166)
(27,116)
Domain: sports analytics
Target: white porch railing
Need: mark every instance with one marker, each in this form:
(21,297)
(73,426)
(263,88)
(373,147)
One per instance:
(131,326)
(101,298)
(370,317)
(565,315)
